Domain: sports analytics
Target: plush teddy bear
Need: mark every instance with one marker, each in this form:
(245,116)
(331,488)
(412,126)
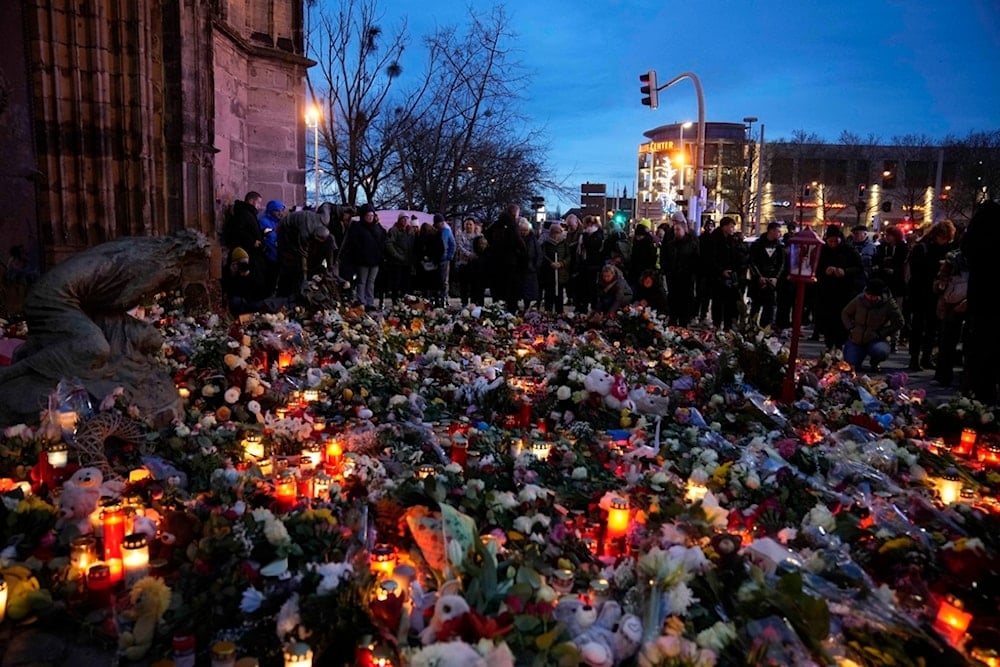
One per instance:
(150,598)
(24,596)
(460,654)
(455,619)
(611,639)
(575,614)
(79,498)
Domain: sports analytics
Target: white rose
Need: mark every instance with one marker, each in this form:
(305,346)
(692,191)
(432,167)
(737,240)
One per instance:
(232,395)
(563,393)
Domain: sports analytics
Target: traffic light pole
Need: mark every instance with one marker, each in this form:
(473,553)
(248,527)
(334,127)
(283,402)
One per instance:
(695,201)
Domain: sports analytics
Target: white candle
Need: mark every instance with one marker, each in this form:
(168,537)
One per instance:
(135,558)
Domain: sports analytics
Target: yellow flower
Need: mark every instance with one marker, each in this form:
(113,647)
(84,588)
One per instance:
(34,504)
(720,474)
(320,516)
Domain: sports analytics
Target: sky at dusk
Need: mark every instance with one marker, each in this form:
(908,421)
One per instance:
(887,67)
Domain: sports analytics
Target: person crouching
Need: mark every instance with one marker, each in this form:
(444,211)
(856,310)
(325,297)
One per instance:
(870,319)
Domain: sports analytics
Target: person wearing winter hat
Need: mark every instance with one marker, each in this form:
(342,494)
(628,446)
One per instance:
(243,287)
(839,277)
(870,319)
(361,254)
(269,222)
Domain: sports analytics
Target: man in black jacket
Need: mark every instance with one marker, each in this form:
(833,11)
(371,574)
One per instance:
(767,268)
(679,266)
(724,261)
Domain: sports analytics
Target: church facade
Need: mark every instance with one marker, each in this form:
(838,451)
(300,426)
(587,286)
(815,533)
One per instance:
(141,117)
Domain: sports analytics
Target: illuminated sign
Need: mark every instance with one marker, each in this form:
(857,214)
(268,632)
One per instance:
(656,146)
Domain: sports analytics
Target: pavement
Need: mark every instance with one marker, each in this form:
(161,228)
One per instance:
(898,361)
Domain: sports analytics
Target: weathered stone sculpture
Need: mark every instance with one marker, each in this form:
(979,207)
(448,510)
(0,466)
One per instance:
(79,326)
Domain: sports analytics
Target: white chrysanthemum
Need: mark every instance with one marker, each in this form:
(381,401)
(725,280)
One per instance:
(262,514)
(563,393)
(232,395)
(501,500)
(251,601)
(679,597)
(253,407)
(275,532)
(532,492)
(820,517)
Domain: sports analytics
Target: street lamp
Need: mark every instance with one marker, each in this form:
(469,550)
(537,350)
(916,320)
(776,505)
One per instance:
(748,181)
(313,116)
(803,260)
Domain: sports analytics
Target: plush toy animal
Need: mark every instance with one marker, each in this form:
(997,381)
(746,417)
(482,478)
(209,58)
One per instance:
(575,614)
(611,639)
(460,654)
(79,498)
(150,598)
(454,619)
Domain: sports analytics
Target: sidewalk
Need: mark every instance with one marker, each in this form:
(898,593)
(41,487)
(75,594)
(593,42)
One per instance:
(897,362)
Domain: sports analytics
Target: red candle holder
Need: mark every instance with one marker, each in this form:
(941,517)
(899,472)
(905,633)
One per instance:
(989,454)
(966,443)
(113,532)
(952,620)
(460,452)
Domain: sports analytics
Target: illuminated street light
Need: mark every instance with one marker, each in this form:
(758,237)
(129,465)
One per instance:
(313,116)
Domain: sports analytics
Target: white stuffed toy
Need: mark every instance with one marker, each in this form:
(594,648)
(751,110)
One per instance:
(611,639)
(80,496)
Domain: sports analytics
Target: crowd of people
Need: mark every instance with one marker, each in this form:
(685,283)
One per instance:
(871,295)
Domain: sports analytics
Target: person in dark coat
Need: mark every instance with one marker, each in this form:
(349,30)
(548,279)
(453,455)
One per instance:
(427,252)
(649,291)
(870,319)
(245,291)
(679,262)
(553,275)
(767,269)
(724,261)
(505,251)
(299,234)
(530,263)
(979,248)
(840,276)
(363,248)
(924,262)
(590,259)
(643,256)
(613,291)
(240,229)
(398,258)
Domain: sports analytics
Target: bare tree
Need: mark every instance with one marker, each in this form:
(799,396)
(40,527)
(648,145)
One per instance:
(974,175)
(916,157)
(860,152)
(464,149)
(357,67)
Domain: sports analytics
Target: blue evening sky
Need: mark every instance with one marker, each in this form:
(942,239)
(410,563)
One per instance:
(888,67)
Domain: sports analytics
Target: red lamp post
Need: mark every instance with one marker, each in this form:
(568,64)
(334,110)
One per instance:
(804,247)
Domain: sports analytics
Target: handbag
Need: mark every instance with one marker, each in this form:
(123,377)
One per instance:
(957,289)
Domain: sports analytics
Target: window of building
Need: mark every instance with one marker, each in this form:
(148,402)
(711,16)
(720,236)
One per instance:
(782,170)
(835,172)
(918,174)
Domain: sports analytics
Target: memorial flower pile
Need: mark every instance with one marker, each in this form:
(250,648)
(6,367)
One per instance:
(434,487)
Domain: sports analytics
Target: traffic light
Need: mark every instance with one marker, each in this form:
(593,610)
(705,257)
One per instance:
(620,217)
(648,89)
(861,191)
(806,191)
(887,207)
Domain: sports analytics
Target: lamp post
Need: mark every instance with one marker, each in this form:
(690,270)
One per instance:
(313,116)
(694,202)
(748,181)
(803,258)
